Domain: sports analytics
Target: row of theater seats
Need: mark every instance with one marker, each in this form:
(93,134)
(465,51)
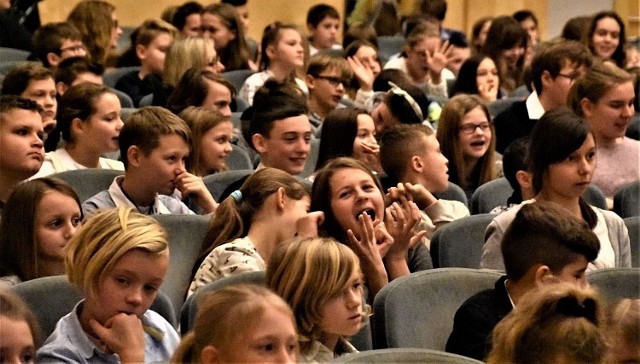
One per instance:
(414,311)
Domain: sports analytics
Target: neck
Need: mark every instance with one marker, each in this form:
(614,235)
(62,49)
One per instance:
(418,76)
(144,72)
(603,142)
(570,204)
(318,109)
(280,71)
(329,340)
(517,289)
(262,235)
(85,316)
(136,192)
(50,267)
(84,156)
(546,102)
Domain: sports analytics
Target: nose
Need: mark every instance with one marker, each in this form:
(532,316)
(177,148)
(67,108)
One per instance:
(284,355)
(134,296)
(340,86)
(70,230)
(585,166)
(119,124)
(180,168)
(37,141)
(353,299)
(628,110)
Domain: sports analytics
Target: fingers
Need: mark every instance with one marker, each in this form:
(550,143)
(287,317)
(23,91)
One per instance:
(416,238)
(307,226)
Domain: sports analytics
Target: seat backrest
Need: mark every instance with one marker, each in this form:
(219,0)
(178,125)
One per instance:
(240,104)
(389,45)
(404,355)
(12,54)
(125,100)
(459,242)
(454,193)
(416,311)
(7,66)
(51,298)
(112,76)
(186,234)
(127,112)
(614,284)
(88,182)
(633,225)
(626,201)
(237,78)
(238,159)
(310,165)
(500,105)
(190,306)
(217,183)
(490,195)
(146,100)
(595,197)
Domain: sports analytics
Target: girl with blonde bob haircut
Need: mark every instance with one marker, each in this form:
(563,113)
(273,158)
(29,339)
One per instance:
(192,52)
(235,323)
(322,282)
(558,323)
(471,155)
(118,260)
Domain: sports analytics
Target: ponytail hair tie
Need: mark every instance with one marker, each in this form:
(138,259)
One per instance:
(571,307)
(236,195)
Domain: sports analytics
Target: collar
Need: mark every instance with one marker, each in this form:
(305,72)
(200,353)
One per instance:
(80,339)
(534,107)
(508,295)
(121,200)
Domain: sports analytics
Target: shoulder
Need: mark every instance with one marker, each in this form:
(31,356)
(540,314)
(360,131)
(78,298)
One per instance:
(163,330)
(101,200)
(175,205)
(612,219)
(518,108)
(107,163)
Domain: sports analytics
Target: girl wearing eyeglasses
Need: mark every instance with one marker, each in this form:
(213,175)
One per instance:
(466,137)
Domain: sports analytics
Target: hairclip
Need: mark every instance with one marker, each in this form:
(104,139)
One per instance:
(570,306)
(396,90)
(236,195)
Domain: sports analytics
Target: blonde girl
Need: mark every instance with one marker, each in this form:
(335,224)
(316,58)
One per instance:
(282,54)
(118,260)
(322,282)
(18,330)
(270,207)
(240,324)
(211,134)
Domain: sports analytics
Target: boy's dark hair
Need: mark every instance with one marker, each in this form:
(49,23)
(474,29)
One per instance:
(193,89)
(398,144)
(145,127)
(522,15)
(574,27)
(544,233)
(10,102)
(318,12)
(179,18)
(434,8)
(514,160)
(71,68)
(552,57)
(235,2)
(17,80)
(49,38)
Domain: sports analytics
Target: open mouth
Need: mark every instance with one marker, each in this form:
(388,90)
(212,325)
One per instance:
(478,143)
(370,212)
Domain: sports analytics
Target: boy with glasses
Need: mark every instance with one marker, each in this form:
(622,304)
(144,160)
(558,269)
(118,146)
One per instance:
(55,42)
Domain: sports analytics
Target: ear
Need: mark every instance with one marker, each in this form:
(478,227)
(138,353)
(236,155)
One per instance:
(541,274)
(546,79)
(209,355)
(53,59)
(310,81)
(134,156)
(281,199)
(259,143)
(141,51)
(587,106)
(77,126)
(524,179)
(271,51)
(61,88)
(416,164)
(310,29)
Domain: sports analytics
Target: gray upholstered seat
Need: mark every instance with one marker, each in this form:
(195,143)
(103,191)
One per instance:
(416,311)
(454,193)
(626,201)
(633,225)
(614,284)
(490,195)
(217,183)
(459,243)
(238,159)
(404,355)
(237,78)
(88,182)
(112,76)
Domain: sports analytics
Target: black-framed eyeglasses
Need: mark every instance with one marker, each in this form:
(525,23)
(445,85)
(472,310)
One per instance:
(572,76)
(471,128)
(334,81)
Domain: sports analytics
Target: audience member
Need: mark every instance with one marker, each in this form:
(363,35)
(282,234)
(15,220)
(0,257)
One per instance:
(467,139)
(360,32)
(154,144)
(116,255)
(327,77)
(529,22)
(202,88)
(622,331)
(40,218)
(323,23)
(478,76)
(187,19)
(76,70)
(402,104)
(365,63)
(542,244)
(606,37)
(479,32)
(89,121)
(270,207)
(460,52)
(21,147)
(554,69)
(574,28)
(240,324)
(517,173)
(507,49)
(19,330)
(55,42)
(562,157)
(411,157)
(604,97)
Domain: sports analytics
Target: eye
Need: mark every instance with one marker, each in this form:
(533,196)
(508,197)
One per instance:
(22,131)
(267,347)
(344,194)
(368,187)
(591,155)
(122,281)
(150,289)
(27,356)
(55,224)
(77,220)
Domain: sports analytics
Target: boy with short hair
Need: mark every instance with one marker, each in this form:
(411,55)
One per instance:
(516,171)
(410,155)
(55,42)
(21,147)
(154,37)
(75,70)
(542,244)
(326,78)
(323,22)
(154,145)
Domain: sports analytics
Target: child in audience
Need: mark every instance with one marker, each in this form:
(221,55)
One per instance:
(479,32)
(118,260)
(323,24)
(282,53)
(543,243)
(75,70)
(622,330)
(322,282)
(40,218)
(32,81)
(506,46)
(270,207)
(604,97)
(202,88)
(467,138)
(557,324)
(90,123)
(364,61)
(21,147)
(517,173)
(154,144)
(352,201)
(55,42)
(411,157)
(562,158)
(478,76)
(606,37)
(221,23)
(19,331)
(240,323)
(401,104)
(97,22)
(327,77)
(152,41)
(349,132)
(187,19)
(211,134)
